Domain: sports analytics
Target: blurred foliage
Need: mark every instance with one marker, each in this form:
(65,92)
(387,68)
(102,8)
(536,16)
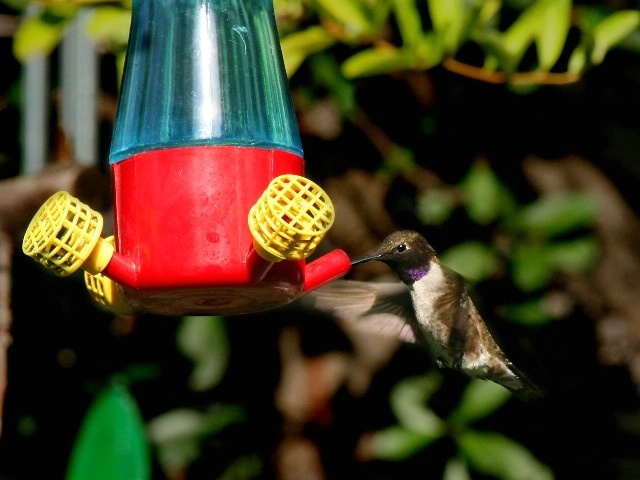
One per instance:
(419,427)
(523,44)
(532,243)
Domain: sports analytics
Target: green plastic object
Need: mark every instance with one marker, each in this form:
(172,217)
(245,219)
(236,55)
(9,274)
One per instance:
(112,442)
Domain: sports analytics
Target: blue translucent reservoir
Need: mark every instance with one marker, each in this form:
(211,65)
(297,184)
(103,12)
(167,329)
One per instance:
(219,79)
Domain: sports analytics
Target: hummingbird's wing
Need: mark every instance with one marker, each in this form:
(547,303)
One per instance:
(377,307)
(479,354)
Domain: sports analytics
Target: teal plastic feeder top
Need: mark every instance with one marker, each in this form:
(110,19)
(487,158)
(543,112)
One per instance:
(204,72)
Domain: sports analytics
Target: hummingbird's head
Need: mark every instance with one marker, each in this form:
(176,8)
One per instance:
(406,252)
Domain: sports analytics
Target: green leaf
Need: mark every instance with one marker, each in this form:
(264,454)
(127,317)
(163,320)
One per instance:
(532,313)
(473,260)
(486,198)
(299,45)
(480,399)
(551,37)
(492,42)
(399,160)
(37,37)
(578,59)
(109,25)
(558,213)
(612,30)
(409,404)
(350,13)
(326,72)
(531,267)
(517,38)
(396,443)
(434,206)
(500,457)
(574,256)
(448,18)
(376,61)
(18,5)
(456,469)
(204,340)
(111,443)
(120,60)
(178,434)
(429,52)
(409,21)
(246,467)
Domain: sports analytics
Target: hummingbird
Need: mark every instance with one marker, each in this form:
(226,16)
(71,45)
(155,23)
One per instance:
(441,314)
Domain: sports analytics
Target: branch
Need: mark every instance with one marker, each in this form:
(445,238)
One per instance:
(20,198)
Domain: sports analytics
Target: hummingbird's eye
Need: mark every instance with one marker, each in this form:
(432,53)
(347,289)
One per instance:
(401,248)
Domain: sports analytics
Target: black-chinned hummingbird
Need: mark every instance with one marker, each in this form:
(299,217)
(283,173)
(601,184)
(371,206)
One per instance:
(446,319)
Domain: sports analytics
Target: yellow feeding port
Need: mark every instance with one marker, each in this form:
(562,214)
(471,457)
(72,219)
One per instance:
(64,235)
(290,218)
(105,292)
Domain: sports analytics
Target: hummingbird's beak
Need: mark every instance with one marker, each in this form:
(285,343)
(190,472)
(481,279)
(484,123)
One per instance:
(373,256)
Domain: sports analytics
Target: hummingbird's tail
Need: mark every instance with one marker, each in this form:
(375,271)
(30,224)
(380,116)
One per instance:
(525,388)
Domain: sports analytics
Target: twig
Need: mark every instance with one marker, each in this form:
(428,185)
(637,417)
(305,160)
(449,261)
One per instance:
(518,78)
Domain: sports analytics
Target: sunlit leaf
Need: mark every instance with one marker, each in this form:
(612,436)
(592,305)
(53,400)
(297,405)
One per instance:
(349,13)
(204,340)
(297,46)
(409,21)
(112,443)
(36,37)
(409,404)
(611,30)
(521,33)
(434,206)
(552,35)
(500,457)
(479,399)
(473,260)
(429,52)
(578,59)
(558,213)
(376,61)
(397,443)
(448,18)
(109,25)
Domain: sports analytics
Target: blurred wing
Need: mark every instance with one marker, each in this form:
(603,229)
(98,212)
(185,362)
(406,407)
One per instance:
(463,332)
(378,307)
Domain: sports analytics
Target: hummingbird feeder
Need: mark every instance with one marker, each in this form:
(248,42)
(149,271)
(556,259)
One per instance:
(212,212)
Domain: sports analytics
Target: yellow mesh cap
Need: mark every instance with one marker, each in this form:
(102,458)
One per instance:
(290,218)
(62,234)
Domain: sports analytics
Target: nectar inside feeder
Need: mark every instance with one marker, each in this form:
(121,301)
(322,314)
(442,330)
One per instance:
(204,130)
